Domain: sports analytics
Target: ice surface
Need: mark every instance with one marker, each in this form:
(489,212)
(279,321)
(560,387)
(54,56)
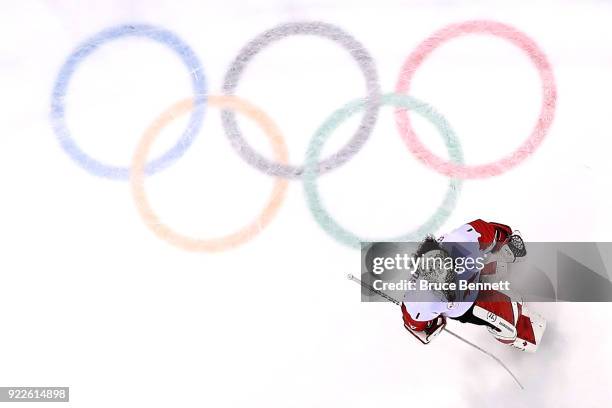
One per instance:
(92,300)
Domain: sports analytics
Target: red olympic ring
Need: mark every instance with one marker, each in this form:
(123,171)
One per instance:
(549,98)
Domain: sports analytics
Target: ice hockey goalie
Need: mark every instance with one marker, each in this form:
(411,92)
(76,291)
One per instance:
(504,316)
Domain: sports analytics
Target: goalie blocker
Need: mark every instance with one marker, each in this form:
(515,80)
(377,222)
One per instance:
(423,331)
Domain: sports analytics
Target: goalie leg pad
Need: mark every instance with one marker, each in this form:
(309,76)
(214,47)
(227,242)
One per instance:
(509,321)
(500,313)
(530,329)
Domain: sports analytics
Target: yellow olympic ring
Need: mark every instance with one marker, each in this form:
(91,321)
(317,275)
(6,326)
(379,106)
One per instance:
(232,240)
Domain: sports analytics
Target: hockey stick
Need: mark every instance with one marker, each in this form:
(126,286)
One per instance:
(397,302)
(488,354)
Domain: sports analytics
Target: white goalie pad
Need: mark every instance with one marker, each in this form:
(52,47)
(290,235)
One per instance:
(530,330)
(512,323)
(503,319)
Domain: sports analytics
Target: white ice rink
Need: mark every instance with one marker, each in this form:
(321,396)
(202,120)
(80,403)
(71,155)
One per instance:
(90,298)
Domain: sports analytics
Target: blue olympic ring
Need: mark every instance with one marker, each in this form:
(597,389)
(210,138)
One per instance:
(86,48)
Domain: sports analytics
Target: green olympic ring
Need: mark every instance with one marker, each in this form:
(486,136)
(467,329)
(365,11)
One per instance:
(326,221)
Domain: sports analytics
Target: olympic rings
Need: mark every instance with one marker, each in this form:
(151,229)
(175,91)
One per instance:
(549,93)
(330,32)
(312,168)
(62,82)
(229,241)
(325,220)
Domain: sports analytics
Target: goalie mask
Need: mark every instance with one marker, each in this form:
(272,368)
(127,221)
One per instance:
(434,265)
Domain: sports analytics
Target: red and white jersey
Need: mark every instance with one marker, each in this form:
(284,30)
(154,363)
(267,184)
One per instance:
(473,240)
